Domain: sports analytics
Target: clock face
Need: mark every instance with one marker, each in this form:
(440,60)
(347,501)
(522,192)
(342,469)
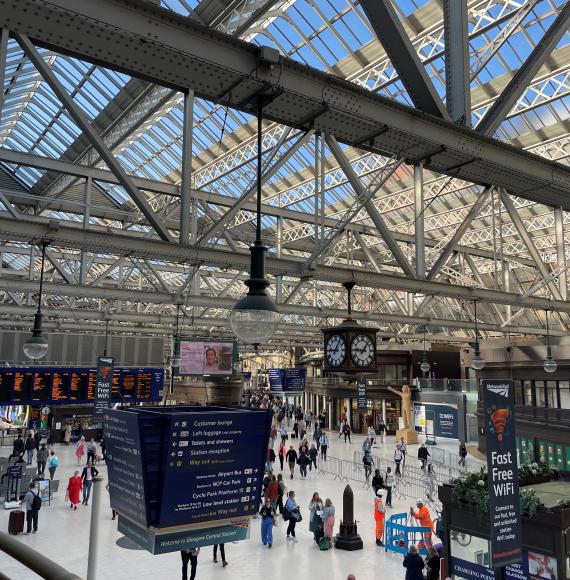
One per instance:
(335,350)
(362,350)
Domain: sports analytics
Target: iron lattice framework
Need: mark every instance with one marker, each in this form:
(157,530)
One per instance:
(144,190)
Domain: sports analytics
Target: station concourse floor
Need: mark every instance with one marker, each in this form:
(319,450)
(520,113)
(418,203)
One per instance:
(63,535)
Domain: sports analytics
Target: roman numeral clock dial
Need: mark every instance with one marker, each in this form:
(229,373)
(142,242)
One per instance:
(335,350)
(362,350)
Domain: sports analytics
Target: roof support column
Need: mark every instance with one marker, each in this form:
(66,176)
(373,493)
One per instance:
(279,249)
(560,252)
(86,217)
(187,228)
(419,220)
(458,92)
(3,54)
(83,123)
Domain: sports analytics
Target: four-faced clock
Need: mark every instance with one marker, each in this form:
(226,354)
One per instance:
(362,350)
(335,350)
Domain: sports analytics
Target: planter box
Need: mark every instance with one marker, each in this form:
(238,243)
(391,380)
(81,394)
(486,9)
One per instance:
(534,480)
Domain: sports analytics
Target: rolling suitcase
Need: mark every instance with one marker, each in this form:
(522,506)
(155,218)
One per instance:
(324,544)
(16,522)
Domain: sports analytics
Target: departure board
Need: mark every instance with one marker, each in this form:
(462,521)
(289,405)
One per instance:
(23,380)
(78,385)
(6,382)
(128,383)
(41,386)
(60,385)
(91,384)
(116,384)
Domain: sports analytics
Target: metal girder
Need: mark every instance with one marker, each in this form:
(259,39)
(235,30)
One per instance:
(561,252)
(132,245)
(186,186)
(84,124)
(518,84)
(419,222)
(371,209)
(528,242)
(205,301)
(458,91)
(391,34)
(4,34)
(459,232)
(180,53)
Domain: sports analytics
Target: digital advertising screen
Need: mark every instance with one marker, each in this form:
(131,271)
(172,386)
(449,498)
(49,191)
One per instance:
(206,358)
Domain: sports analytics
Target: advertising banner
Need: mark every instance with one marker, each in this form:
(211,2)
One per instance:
(504,503)
(444,416)
(361,401)
(533,566)
(206,358)
(104,385)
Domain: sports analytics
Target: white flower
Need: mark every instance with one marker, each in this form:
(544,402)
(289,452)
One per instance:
(481,483)
(534,472)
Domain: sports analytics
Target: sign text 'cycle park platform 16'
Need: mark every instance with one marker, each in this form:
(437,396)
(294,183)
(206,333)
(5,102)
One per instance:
(174,473)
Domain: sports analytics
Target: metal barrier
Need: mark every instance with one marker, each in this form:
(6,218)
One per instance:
(399,534)
(412,484)
(33,560)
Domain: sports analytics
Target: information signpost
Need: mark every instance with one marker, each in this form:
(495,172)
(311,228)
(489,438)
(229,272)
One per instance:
(361,401)
(504,501)
(104,385)
(176,471)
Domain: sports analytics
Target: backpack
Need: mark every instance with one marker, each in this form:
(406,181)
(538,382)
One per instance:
(36,502)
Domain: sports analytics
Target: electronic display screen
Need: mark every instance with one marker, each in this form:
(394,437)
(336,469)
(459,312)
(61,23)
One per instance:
(6,382)
(128,383)
(23,380)
(41,386)
(76,385)
(206,358)
(60,385)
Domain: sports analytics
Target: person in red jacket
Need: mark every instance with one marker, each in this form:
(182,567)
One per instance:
(74,486)
(273,492)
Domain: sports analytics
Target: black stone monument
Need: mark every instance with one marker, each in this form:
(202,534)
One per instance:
(348,538)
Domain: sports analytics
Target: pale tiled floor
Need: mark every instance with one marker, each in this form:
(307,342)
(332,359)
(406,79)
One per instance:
(63,536)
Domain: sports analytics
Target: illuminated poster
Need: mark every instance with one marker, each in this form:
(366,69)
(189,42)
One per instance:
(206,358)
(104,385)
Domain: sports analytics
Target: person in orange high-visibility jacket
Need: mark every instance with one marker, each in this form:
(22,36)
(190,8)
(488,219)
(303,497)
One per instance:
(424,518)
(379,513)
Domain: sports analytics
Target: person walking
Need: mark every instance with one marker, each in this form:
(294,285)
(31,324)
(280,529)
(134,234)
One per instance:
(368,462)
(430,482)
(283,433)
(91,451)
(292,514)
(303,461)
(366,446)
(19,447)
(313,457)
(414,564)
(89,472)
(315,505)
(273,492)
(389,483)
(462,453)
(324,443)
(41,459)
(377,481)
(433,564)
(281,493)
(30,447)
(317,436)
(281,454)
(403,450)
(291,459)
(346,431)
(379,515)
(382,430)
(33,503)
(80,449)
(192,557)
(423,455)
(222,554)
(270,459)
(113,512)
(53,464)
(371,435)
(398,459)
(73,493)
(267,513)
(67,434)
(272,435)
(328,518)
